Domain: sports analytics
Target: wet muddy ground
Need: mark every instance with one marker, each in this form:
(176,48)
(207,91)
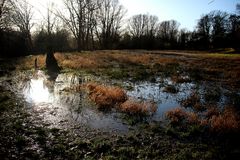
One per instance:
(42,118)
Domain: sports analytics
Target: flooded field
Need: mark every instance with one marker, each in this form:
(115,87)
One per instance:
(60,106)
(104,104)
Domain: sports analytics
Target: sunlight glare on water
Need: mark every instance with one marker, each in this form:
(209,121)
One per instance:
(37,91)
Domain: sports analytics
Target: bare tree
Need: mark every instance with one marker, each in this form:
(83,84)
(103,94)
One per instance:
(51,18)
(21,18)
(143,25)
(5,14)
(109,18)
(184,38)
(137,25)
(168,30)
(80,20)
(152,25)
(204,27)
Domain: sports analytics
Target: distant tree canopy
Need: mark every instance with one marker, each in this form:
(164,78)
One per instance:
(57,41)
(218,30)
(15,28)
(101,24)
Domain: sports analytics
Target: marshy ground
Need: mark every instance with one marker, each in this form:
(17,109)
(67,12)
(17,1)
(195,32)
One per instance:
(121,105)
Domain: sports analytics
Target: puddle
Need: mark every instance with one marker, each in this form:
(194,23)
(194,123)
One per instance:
(155,91)
(60,108)
(57,107)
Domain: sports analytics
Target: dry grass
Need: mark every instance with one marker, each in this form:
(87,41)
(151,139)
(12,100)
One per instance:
(193,118)
(212,111)
(105,96)
(29,62)
(216,68)
(75,61)
(135,107)
(96,59)
(176,115)
(220,122)
(193,101)
(228,121)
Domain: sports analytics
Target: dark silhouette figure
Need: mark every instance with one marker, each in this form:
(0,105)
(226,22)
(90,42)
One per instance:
(35,64)
(52,66)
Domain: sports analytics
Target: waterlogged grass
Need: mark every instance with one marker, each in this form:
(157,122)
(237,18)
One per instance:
(200,131)
(105,96)
(27,136)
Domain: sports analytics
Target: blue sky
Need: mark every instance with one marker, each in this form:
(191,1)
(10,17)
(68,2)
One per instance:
(184,11)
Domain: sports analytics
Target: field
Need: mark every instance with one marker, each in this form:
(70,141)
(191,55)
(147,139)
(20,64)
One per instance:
(129,104)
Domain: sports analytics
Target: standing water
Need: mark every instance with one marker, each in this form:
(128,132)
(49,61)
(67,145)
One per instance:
(59,107)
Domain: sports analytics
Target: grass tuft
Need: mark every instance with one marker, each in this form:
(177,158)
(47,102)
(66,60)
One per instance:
(224,122)
(228,121)
(135,107)
(176,115)
(106,96)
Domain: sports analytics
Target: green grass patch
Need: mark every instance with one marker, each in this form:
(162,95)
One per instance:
(222,55)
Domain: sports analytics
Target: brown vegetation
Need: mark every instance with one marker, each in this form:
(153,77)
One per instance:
(135,107)
(29,62)
(199,65)
(220,122)
(105,96)
(228,121)
(193,101)
(176,115)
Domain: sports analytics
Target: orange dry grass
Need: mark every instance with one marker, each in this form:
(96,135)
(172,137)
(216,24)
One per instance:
(193,118)
(108,58)
(212,111)
(134,107)
(176,115)
(106,96)
(75,61)
(29,62)
(193,101)
(225,122)
(139,58)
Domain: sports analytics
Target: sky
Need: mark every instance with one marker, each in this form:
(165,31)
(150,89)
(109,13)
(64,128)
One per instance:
(186,12)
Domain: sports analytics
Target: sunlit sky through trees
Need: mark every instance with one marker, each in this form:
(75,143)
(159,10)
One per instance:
(187,12)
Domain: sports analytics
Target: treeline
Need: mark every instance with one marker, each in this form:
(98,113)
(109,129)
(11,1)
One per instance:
(101,24)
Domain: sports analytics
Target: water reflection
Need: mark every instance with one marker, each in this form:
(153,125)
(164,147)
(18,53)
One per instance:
(36,90)
(58,107)
(155,92)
